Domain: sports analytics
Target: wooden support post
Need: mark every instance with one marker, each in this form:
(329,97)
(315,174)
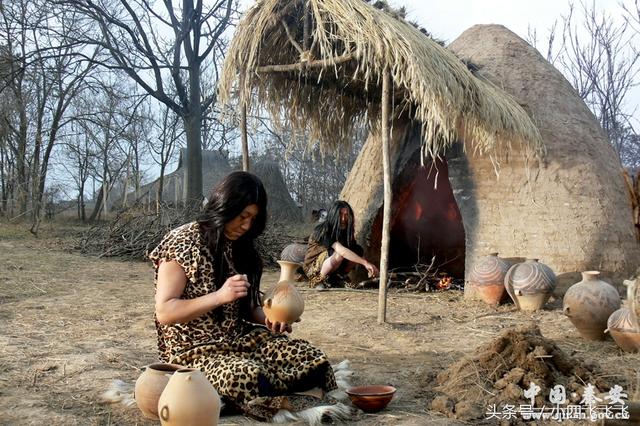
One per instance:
(243,134)
(386,215)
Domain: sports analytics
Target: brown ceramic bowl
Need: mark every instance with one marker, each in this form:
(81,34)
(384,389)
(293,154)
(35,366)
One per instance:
(372,398)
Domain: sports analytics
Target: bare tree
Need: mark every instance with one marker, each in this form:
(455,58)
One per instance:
(163,146)
(135,33)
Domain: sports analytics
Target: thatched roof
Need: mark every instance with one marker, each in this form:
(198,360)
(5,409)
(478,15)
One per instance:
(359,41)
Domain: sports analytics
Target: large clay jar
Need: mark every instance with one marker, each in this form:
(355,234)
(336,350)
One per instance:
(530,284)
(150,385)
(189,399)
(283,303)
(487,278)
(621,327)
(294,252)
(589,304)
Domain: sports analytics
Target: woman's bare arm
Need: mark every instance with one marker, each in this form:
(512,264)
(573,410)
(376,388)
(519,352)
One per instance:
(172,280)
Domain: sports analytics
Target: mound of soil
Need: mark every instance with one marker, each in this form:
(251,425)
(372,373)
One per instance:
(499,372)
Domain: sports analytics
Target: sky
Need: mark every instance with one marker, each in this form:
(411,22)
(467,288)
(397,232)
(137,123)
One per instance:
(447,19)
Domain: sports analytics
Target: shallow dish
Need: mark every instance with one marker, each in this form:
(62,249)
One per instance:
(371,398)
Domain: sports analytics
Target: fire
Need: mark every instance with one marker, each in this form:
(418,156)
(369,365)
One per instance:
(418,211)
(444,283)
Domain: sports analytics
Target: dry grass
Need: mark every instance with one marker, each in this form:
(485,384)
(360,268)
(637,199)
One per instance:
(71,324)
(430,83)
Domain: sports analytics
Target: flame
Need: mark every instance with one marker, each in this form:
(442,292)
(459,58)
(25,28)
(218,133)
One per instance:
(444,283)
(418,210)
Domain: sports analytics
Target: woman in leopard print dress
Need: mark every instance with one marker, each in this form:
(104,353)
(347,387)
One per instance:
(208,311)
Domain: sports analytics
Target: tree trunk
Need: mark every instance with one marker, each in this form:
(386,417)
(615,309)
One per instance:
(98,206)
(22,179)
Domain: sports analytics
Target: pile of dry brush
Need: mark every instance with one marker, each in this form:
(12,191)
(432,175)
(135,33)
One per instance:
(134,233)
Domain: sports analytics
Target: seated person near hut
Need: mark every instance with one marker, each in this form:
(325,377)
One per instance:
(208,309)
(333,250)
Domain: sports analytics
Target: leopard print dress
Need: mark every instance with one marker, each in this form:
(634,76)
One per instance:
(243,361)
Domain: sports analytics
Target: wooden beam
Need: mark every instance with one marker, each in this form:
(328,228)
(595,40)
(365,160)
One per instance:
(386,215)
(303,65)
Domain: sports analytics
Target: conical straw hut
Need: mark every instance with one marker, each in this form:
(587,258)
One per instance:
(570,210)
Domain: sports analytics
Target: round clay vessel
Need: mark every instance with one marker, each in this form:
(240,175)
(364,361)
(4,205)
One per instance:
(633,299)
(530,284)
(621,327)
(589,304)
(294,252)
(487,277)
(283,303)
(189,399)
(371,399)
(150,385)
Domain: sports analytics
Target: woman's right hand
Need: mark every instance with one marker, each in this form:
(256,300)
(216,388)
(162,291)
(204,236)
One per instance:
(233,288)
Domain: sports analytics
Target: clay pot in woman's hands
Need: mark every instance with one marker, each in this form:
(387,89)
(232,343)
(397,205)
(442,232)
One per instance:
(283,303)
(150,385)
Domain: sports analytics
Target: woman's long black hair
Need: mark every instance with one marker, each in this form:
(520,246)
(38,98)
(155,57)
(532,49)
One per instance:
(329,231)
(227,201)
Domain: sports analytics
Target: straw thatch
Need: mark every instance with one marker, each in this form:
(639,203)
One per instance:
(360,42)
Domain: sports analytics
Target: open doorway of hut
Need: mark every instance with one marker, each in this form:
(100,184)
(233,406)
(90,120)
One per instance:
(426,221)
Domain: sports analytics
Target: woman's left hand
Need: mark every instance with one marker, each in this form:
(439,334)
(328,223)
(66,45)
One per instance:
(278,327)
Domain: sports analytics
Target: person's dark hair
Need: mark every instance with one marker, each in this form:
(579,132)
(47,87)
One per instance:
(329,231)
(227,200)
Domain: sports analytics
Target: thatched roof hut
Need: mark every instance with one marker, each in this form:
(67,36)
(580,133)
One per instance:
(322,65)
(571,210)
(319,67)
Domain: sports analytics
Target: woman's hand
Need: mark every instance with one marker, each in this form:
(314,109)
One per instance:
(372,270)
(233,289)
(278,327)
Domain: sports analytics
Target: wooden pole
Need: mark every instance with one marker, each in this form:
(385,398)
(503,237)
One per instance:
(386,216)
(243,134)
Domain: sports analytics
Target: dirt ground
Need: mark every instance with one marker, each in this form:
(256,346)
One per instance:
(71,324)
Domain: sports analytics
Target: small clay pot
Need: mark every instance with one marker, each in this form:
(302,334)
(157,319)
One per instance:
(589,304)
(283,303)
(487,278)
(150,385)
(620,326)
(530,284)
(189,399)
(371,399)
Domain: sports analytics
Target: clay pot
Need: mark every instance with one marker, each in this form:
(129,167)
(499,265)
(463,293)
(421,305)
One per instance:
(294,252)
(287,270)
(189,399)
(150,385)
(589,303)
(621,327)
(530,284)
(633,299)
(487,278)
(283,303)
